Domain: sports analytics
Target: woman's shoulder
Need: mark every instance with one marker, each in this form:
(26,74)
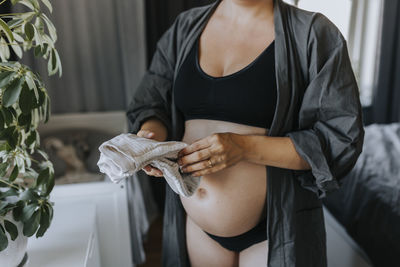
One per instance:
(314,26)
(187,18)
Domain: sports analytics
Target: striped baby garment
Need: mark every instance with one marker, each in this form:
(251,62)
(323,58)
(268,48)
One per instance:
(125,154)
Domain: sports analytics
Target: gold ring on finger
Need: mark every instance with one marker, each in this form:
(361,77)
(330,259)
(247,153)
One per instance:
(210,164)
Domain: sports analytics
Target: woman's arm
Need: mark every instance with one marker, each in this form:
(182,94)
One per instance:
(273,151)
(221,150)
(155,126)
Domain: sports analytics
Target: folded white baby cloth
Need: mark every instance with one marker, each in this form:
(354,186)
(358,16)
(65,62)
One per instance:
(127,153)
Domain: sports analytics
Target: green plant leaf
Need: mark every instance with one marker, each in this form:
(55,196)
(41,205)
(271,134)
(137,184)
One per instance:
(1,121)
(39,24)
(44,49)
(28,195)
(27,3)
(47,109)
(9,135)
(28,211)
(4,147)
(11,64)
(29,30)
(51,64)
(38,37)
(3,239)
(12,91)
(3,170)
(38,51)
(18,38)
(17,211)
(31,138)
(44,222)
(43,154)
(50,27)
(48,5)
(49,185)
(32,224)
(59,66)
(12,111)
(6,77)
(25,119)
(3,204)
(42,97)
(7,31)
(14,174)
(11,229)
(27,16)
(8,116)
(14,23)
(17,50)
(50,209)
(8,193)
(26,99)
(43,177)
(35,3)
(30,81)
(4,50)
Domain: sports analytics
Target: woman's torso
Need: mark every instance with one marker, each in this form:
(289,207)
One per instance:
(231,201)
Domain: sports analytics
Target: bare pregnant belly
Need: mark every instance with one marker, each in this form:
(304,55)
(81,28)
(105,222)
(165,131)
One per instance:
(231,201)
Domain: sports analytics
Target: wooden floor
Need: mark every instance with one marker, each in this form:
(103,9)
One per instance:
(153,245)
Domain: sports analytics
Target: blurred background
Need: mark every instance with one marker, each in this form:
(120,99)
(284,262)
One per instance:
(106,45)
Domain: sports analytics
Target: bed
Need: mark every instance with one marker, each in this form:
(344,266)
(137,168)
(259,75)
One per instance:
(368,203)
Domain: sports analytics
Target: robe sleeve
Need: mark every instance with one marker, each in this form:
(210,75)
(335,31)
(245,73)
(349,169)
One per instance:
(330,133)
(152,98)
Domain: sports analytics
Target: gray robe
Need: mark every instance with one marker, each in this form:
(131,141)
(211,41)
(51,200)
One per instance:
(318,108)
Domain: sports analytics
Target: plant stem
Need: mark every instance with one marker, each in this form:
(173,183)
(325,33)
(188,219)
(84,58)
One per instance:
(9,184)
(6,68)
(10,14)
(33,45)
(12,44)
(34,160)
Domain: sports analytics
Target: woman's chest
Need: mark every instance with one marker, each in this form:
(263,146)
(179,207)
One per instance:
(225,47)
(247,96)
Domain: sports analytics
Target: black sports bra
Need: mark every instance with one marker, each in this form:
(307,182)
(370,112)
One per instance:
(247,96)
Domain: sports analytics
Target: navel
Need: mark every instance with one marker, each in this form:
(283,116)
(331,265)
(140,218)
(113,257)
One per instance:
(201,193)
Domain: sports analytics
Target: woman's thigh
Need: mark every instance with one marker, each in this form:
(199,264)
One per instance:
(204,251)
(256,255)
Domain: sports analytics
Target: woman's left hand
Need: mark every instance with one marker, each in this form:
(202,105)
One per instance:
(211,154)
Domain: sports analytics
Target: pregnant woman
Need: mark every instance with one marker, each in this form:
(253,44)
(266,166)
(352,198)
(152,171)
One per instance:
(265,96)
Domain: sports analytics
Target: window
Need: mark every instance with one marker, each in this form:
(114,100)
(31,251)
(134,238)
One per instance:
(359,21)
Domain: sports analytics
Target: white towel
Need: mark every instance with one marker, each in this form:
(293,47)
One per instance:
(127,153)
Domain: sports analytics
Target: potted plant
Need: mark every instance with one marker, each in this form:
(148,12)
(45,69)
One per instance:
(26,174)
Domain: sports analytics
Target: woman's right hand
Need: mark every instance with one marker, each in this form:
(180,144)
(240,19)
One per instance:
(148,169)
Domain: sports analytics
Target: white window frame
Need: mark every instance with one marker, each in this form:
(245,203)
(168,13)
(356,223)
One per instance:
(364,44)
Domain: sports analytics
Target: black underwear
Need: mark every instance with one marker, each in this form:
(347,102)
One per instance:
(240,242)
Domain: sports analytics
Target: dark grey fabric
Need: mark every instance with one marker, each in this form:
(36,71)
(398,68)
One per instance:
(368,206)
(318,107)
(385,105)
